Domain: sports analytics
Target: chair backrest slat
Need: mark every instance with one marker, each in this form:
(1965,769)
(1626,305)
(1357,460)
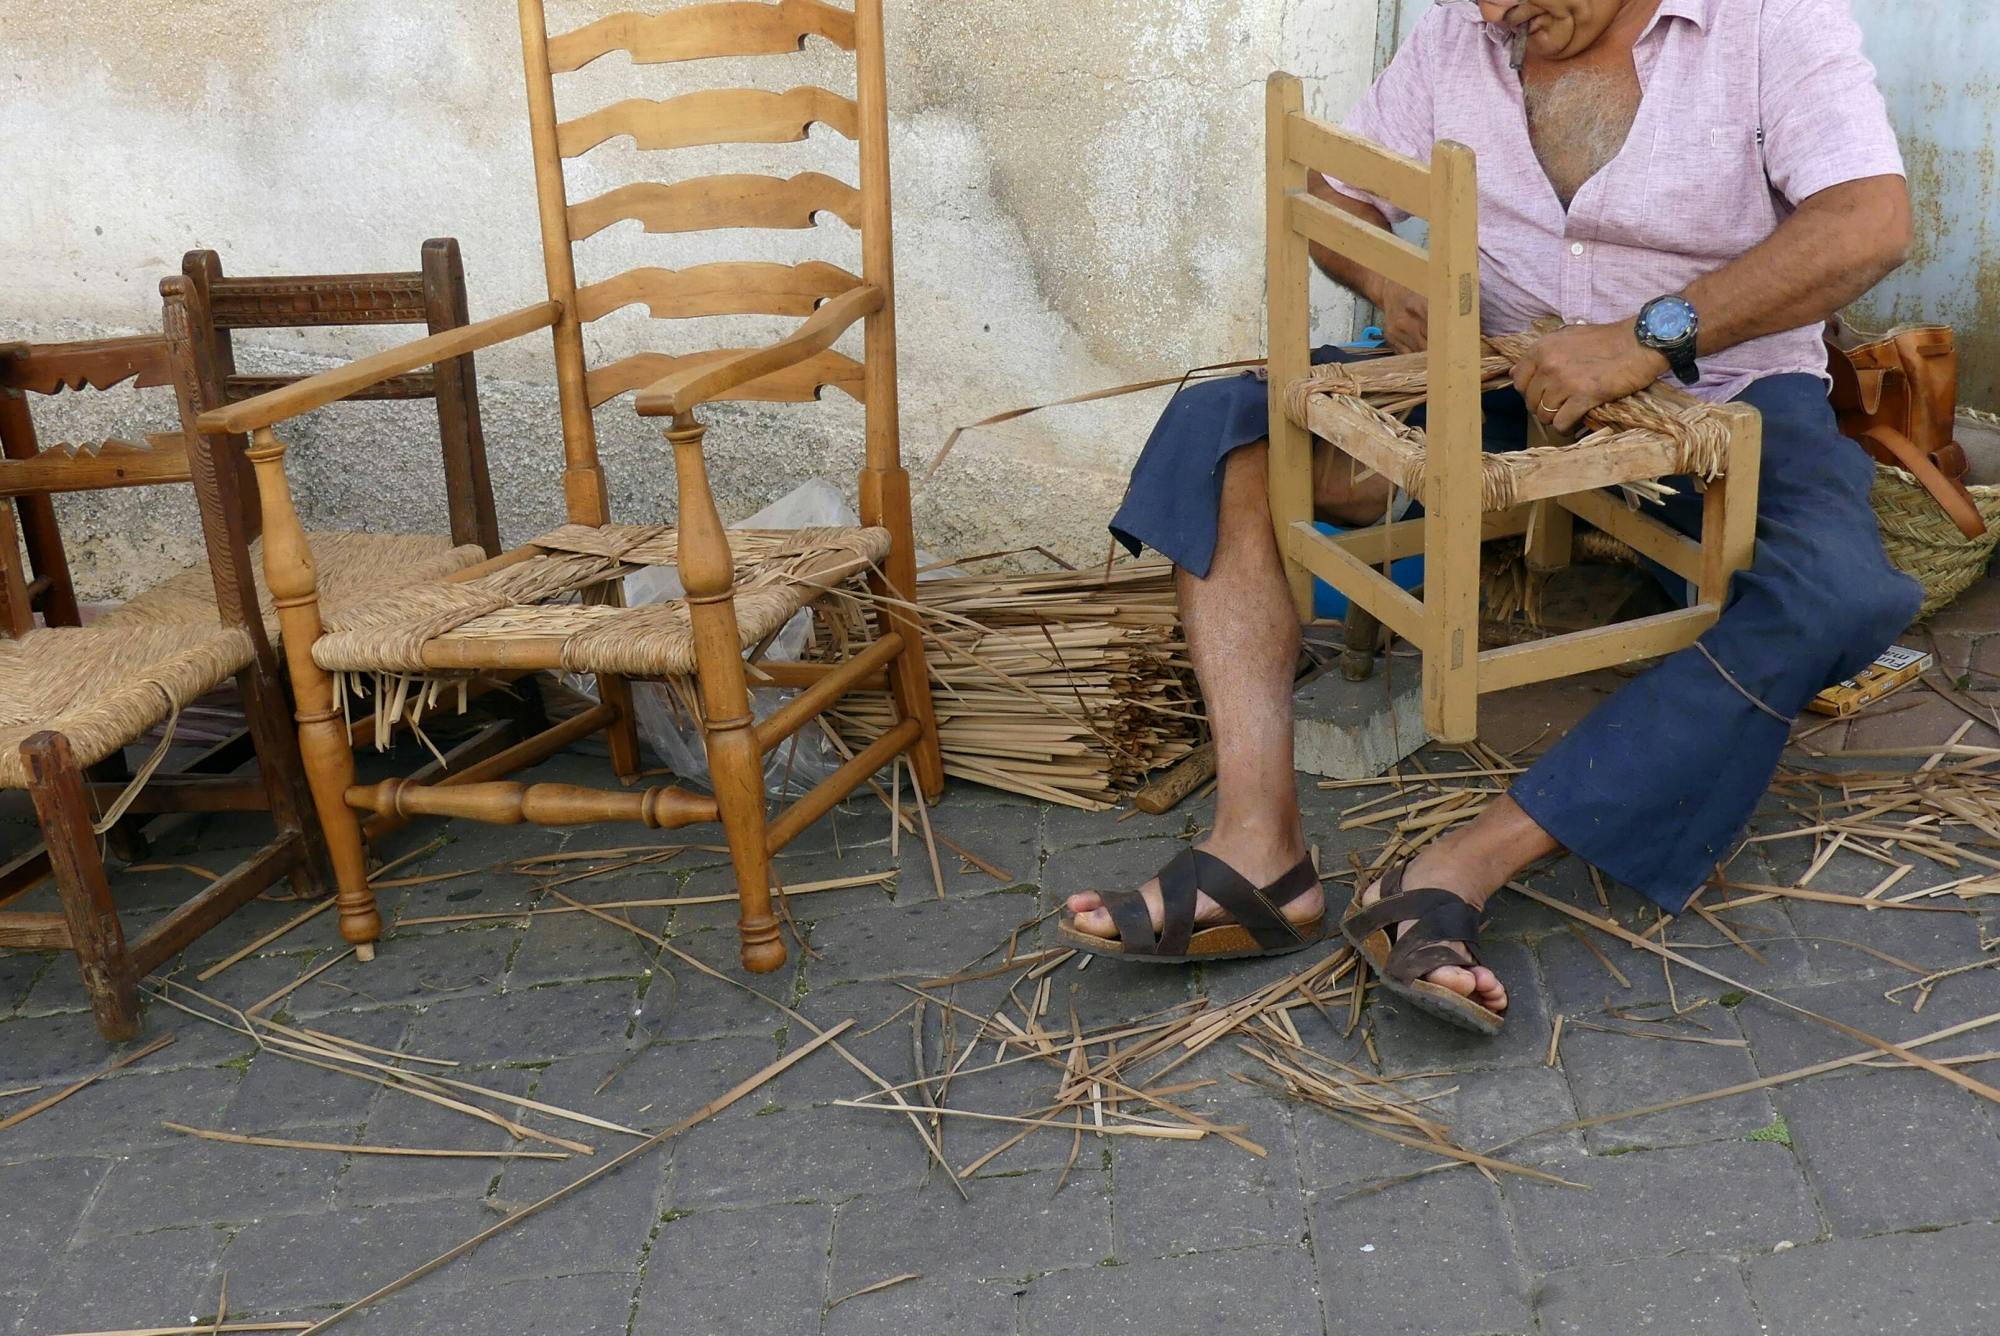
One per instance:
(745,288)
(715,116)
(100,364)
(96,466)
(798,384)
(713,203)
(702,31)
(301,302)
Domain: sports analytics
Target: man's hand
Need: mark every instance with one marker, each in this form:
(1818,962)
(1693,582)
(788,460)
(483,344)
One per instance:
(1579,367)
(1406,317)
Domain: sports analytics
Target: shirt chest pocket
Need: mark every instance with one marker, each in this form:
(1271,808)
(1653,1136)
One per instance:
(1704,193)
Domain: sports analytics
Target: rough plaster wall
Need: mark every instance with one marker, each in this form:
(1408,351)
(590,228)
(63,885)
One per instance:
(1078,203)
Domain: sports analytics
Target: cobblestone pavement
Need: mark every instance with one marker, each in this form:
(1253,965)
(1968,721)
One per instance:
(1866,1201)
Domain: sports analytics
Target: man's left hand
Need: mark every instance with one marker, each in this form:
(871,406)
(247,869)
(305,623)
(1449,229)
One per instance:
(1579,367)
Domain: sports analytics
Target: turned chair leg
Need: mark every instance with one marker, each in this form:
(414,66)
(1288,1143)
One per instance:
(1363,639)
(63,804)
(735,758)
(326,749)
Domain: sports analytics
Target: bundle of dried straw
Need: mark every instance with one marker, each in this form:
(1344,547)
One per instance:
(1068,687)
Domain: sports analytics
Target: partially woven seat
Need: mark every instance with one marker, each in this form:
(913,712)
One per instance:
(1359,407)
(102,687)
(777,574)
(353,567)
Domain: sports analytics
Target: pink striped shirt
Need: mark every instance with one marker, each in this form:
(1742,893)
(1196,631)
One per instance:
(1749,107)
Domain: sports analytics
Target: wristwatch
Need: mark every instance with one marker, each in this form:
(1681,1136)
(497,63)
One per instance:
(1669,325)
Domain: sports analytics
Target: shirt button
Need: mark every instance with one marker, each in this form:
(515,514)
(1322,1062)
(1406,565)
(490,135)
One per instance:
(1576,248)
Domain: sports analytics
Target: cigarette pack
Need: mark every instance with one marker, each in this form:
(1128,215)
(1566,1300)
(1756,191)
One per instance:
(1897,668)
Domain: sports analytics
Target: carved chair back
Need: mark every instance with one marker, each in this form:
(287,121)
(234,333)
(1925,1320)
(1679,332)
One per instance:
(32,473)
(572,214)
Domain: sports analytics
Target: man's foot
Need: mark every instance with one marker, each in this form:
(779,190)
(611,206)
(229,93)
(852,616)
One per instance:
(1258,862)
(1435,869)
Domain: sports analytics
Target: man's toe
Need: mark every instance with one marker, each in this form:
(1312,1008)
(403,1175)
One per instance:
(1489,991)
(1460,981)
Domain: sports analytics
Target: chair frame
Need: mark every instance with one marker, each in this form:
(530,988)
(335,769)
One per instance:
(1444,623)
(65,797)
(202,307)
(794,368)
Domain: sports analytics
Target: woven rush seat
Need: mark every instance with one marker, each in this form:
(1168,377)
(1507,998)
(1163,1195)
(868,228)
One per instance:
(776,575)
(353,567)
(101,687)
(1359,408)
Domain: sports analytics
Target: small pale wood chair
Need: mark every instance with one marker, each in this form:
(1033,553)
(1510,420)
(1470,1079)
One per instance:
(554,603)
(1469,496)
(72,698)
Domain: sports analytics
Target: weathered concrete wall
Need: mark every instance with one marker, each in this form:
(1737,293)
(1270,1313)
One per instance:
(1078,204)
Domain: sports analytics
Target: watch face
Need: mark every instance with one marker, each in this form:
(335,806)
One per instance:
(1668,321)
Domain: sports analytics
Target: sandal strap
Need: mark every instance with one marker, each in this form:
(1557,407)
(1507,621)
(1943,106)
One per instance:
(1256,910)
(1193,873)
(1134,922)
(1443,935)
(1397,906)
(1180,883)
(1423,959)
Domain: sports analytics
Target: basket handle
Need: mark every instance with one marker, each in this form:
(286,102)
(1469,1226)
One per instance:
(1890,445)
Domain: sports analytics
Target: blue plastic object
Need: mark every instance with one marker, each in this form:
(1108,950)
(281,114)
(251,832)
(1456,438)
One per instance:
(1371,337)
(1331,605)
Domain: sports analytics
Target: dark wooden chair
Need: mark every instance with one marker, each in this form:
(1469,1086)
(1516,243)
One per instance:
(200,622)
(74,697)
(554,603)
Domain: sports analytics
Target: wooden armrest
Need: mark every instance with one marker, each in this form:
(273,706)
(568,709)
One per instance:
(267,410)
(684,391)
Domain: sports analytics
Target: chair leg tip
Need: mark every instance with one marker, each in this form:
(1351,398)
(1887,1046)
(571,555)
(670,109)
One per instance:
(764,957)
(364,952)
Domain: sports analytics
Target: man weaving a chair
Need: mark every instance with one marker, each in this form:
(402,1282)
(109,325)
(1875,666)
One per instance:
(1691,187)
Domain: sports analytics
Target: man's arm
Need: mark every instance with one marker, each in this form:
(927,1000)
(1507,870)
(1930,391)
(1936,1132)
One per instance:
(1837,245)
(1405,314)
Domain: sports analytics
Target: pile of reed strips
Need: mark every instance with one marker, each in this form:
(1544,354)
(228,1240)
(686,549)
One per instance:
(1119,1080)
(1067,687)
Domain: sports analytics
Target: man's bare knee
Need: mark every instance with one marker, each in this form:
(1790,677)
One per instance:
(1341,495)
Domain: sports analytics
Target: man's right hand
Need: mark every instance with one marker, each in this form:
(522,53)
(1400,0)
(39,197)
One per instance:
(1405,317)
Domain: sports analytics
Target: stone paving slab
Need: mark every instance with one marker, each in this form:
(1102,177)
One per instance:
(1858,1203)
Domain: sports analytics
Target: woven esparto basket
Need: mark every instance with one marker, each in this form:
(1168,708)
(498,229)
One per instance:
(1920,538)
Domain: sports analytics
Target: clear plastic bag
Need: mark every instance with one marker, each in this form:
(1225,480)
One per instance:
(665,724)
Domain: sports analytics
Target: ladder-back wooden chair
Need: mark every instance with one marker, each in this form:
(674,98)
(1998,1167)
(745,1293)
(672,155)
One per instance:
(74,697)
(1468,496)
(554,603)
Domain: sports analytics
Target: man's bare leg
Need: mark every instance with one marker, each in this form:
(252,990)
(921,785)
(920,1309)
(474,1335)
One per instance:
(1243,635)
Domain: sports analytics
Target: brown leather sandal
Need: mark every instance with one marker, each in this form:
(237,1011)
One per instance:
(1439,922)
(1259,929)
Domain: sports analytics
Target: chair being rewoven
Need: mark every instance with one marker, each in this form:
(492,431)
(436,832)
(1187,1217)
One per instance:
(1469,496)
(555,603)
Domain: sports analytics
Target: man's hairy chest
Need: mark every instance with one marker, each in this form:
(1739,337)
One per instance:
(1578,121)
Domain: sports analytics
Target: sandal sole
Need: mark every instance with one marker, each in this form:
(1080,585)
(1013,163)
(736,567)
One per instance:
(1433,999)
(1223,942)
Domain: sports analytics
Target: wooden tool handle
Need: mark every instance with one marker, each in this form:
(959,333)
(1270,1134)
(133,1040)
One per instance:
(1171,789)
